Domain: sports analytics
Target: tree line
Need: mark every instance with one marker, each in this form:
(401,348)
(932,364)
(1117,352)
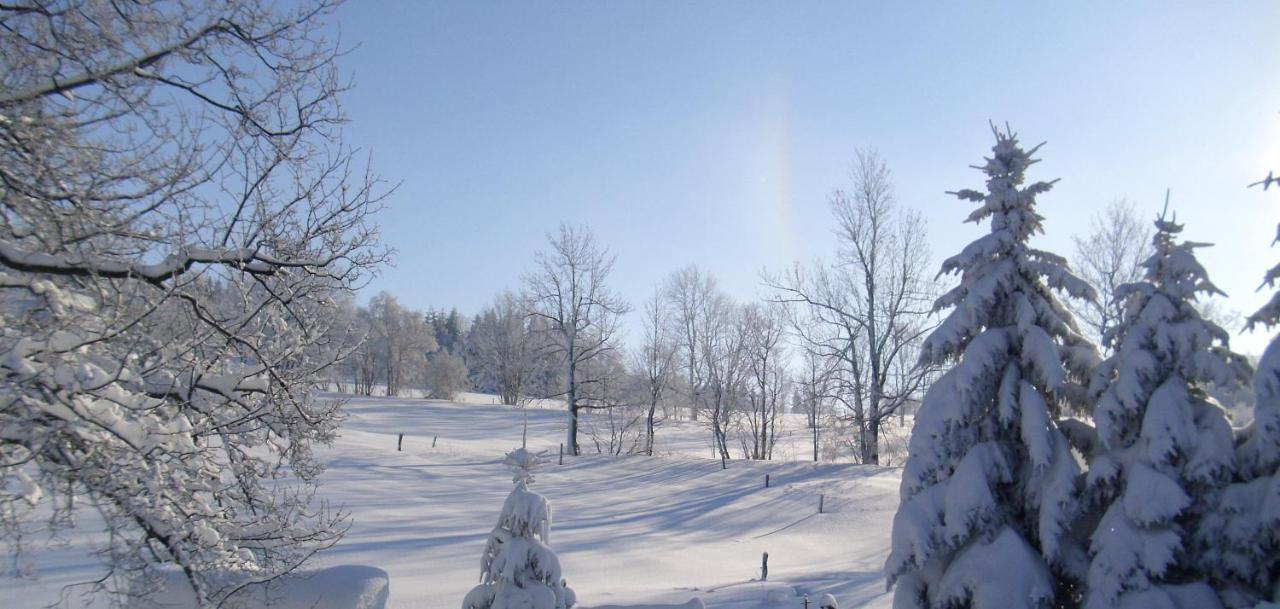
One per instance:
(855,322)
(837,341)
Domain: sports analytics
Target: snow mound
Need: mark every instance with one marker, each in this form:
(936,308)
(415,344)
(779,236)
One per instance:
(694,603)
(780,596)
(341,587)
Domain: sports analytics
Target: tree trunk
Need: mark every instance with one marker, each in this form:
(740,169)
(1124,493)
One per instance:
(717,431)
(872,447)
(860,428)
(693,393)
(571,397)
(648,431)
(813,424)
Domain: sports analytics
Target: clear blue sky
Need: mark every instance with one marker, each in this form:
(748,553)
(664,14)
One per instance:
(713,132)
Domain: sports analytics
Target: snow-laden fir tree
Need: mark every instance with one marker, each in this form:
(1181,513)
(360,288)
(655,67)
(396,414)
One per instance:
(1242,535)
(990,485)
(519,570)
(1164,446)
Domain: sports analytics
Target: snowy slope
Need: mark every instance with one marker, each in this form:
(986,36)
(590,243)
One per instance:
(628,530)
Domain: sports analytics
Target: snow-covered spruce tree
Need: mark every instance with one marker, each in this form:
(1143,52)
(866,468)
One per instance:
(990,485)
(1242,535)
(1164,447)
(519,570)
(178,216)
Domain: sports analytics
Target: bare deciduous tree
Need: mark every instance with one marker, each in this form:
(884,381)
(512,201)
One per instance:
(343,327)
(505,347)
(869,309)
(362,365)
(1110,256)
(399,341)
(569,290)
(655,361)
(178,214)
(813,393)
(691,294)
(722,342)
(612,403)
(763,327)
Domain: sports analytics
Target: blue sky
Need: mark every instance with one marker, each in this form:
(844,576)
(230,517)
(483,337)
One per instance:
(713,132)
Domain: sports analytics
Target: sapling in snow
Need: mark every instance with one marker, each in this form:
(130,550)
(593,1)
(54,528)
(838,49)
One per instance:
(990,484)
(1165,448)
(519,570)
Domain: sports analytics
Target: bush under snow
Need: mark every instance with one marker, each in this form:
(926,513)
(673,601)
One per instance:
(519,570)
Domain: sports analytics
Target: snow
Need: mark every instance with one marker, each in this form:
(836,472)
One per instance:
(694,603)
(1005,572)
(1151,498)
(629,531)
(970,502)
(339,587)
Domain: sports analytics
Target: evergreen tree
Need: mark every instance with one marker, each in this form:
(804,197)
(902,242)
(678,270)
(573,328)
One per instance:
(1242,535)
(519,570)
(1165,447)
(990,484)
(448,330)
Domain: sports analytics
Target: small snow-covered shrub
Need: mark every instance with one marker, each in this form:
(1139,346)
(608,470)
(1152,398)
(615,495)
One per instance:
(519,570)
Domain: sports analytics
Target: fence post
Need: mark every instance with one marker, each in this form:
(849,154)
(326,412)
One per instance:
(821,499)
(433,441)
(764,567)
(766,480)
(399,441)
(562,453)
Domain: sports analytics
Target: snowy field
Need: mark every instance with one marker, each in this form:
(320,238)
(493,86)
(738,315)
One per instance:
(629,530)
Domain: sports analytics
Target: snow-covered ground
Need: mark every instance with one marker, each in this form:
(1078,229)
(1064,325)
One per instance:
(628,530)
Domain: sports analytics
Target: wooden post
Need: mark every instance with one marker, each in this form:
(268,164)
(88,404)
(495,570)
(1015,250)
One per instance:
(821,498)
(433,441)
(766,480)
(806,601)
(399,441)
(764,567)
(562,453)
